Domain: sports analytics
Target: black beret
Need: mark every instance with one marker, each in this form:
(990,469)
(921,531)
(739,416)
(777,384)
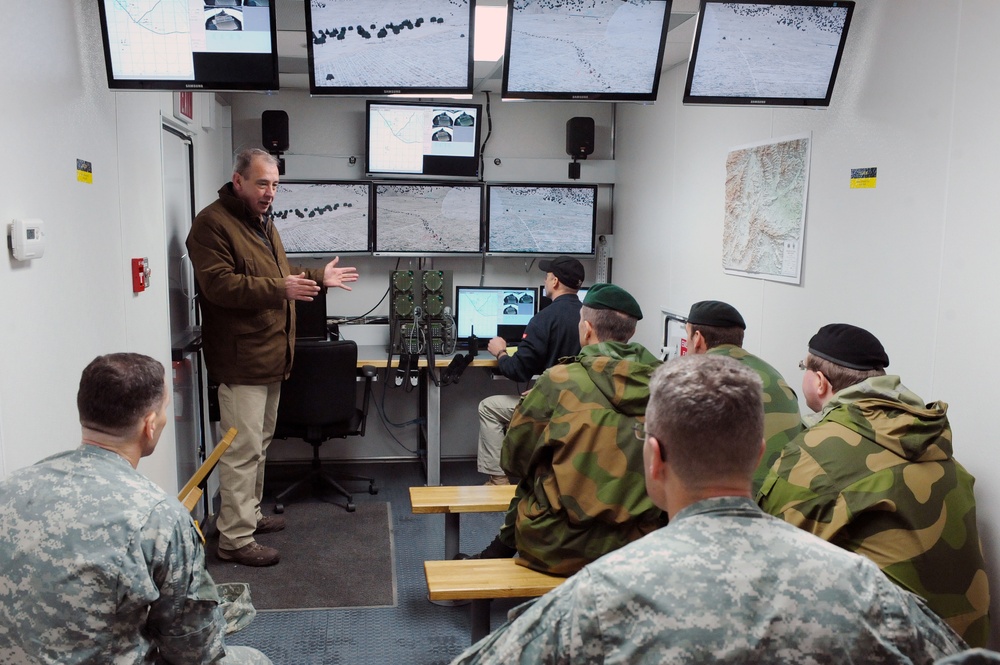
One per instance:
(566,268)
(716,313)
(848,346)
(609,296)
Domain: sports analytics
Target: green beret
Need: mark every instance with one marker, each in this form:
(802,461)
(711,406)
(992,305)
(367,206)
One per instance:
(609,296)
(716,313)
(849,346)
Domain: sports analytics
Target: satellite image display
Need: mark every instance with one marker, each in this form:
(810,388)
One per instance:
(585,45)
(419,218)
(782,51)
(541,219)
(390,43)
(322,217)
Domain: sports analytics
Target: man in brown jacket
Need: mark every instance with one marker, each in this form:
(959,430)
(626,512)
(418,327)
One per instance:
(248,329)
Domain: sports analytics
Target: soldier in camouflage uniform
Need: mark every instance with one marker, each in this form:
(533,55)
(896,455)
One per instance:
(571,442)
(876,476)
(723,582)
(98,564)
(717,328)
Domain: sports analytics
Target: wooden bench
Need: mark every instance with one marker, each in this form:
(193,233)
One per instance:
(482,580)
(453,501)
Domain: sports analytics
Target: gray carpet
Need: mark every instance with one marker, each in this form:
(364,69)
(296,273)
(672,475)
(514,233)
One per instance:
(330,558)
(415,632)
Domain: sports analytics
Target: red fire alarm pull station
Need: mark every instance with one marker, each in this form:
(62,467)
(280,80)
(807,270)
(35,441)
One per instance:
(140,275)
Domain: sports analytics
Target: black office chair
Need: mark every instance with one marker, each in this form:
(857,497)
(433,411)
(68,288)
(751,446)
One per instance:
(319,403)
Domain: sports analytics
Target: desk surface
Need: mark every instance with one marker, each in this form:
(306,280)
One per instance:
(376,355)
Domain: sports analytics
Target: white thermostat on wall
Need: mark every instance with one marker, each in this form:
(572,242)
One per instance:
(27,239)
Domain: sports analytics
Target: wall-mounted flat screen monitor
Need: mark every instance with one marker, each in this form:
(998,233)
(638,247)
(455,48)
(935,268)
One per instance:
(775,53)
(423,139)
(190,44)
(322,217)
(541,219)
(382,47)
(493,311)
(602,50)
(420,219)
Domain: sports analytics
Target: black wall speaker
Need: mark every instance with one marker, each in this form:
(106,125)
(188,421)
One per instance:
(274,131)
(579,137)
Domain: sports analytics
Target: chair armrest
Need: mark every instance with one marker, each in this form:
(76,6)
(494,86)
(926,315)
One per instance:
(368,371)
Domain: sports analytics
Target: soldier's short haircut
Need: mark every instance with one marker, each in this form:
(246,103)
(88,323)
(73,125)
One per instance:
(117,390)
(716,336)
(707,412)
(840,377)
(610,325)
(245,156)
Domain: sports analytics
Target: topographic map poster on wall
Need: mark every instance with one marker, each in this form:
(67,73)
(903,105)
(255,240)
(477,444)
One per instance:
(766,187)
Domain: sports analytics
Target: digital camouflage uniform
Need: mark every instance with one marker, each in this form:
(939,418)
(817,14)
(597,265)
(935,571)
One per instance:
(876,476)
(722,583)
(782,421)
(99,565)
(582,491)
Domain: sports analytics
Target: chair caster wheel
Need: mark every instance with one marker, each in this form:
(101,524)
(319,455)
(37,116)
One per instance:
(372,489)
(351,507)
(279,508)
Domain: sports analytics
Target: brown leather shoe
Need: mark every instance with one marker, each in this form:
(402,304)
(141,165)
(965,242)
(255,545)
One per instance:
(270,524)
(251,554)
(497,480)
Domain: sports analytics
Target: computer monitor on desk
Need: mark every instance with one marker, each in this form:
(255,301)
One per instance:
(493,311)
(544,301)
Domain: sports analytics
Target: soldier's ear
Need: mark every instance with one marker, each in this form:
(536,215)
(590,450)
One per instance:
(825,388)
(697,343)
(657,455)
(149,425)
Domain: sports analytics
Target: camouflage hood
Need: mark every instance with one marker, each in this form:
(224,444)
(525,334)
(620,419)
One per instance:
(614,369)
(883,410)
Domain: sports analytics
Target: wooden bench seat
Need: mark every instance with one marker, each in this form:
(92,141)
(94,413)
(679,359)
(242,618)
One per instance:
(455,500)
(482,580)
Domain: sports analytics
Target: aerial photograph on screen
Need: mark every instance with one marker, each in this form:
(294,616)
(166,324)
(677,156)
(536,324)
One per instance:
(322,217)
(556,220)
(427,218)
(390,43)
(614,46)
(767,50)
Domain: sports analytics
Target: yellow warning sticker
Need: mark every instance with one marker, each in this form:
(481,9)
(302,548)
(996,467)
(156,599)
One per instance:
(84,171)
(863,178)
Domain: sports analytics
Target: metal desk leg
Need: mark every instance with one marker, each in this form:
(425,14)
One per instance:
(433,433)
(451,531)
(480,619)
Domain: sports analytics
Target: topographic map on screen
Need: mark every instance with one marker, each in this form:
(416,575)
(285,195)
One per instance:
(766,188)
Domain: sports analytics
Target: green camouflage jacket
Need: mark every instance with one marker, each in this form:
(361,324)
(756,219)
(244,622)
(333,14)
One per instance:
(782,421)
(582,492)
(876,476)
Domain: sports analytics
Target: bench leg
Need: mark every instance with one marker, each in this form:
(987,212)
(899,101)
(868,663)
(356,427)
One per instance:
(451,531)
(480,619)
